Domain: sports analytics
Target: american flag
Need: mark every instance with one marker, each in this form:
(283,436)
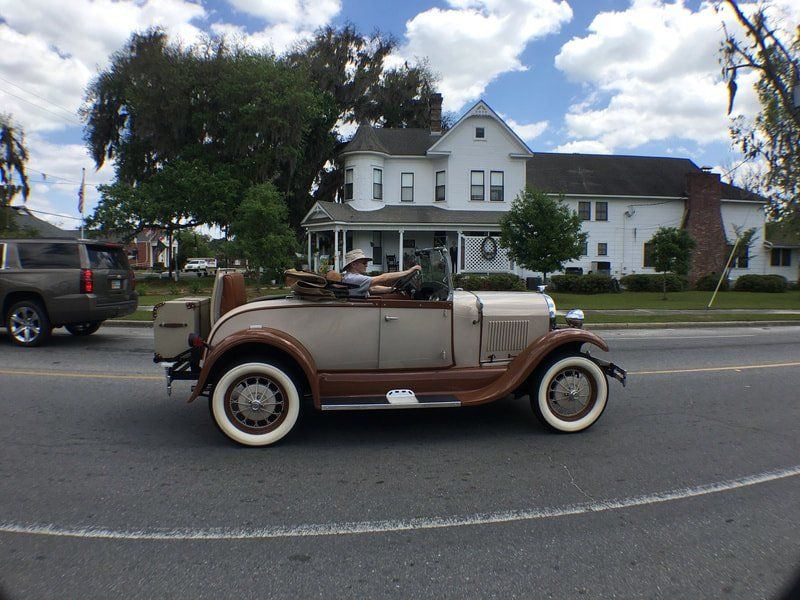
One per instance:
(81,192)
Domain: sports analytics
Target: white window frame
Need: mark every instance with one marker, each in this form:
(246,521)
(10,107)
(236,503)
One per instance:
(377,192)
(493,187)
(348,172)
(473,185)
(406,187)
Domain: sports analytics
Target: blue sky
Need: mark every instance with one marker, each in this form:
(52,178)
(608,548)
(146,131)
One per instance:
(608,76)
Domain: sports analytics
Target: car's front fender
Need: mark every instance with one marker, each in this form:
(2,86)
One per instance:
(526,362)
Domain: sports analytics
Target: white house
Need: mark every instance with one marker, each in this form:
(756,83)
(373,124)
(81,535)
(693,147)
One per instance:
(414,188)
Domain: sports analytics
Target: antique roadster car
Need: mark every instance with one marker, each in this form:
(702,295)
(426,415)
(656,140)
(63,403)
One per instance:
(424,345)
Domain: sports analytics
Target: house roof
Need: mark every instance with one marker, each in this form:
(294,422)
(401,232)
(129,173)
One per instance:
(399,214)
(25,220)
(396,142)
(610,175)
(783,235)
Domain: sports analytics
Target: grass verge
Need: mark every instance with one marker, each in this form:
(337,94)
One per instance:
(678,300)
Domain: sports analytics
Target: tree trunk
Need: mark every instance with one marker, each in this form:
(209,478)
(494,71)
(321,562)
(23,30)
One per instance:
(664,286)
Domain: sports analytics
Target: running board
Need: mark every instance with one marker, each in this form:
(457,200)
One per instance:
(389,403)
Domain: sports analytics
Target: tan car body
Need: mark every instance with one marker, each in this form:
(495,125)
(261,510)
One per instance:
(476,347)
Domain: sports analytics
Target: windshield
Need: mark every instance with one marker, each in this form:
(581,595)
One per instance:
(435,275)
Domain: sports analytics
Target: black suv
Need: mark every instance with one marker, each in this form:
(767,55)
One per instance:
(50,282)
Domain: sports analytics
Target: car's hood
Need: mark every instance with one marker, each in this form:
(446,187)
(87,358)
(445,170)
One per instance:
(512,304)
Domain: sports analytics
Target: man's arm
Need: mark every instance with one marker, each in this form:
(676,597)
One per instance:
(385,278)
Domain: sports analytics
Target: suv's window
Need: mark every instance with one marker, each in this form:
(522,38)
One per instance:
(106,257)
(42,255)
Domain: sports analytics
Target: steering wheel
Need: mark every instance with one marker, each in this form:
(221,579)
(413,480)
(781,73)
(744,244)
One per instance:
(405,285)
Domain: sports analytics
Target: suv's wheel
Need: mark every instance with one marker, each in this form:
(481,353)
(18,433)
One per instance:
(28,323)
(81,329)
(570,395)
(255,404)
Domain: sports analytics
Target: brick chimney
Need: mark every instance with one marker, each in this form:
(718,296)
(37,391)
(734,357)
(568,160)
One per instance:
(703,220)
(436,113)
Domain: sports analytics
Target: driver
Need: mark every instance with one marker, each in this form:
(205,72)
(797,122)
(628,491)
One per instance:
(355,265)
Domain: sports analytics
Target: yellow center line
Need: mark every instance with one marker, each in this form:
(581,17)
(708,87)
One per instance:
(709,369)
(161,378)
(80,375)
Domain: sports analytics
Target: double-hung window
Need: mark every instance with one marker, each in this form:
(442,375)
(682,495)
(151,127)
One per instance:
(348,184)
(407,187)
(377,184)
(602,249)
(476,188)
(585,211)
(647,255)
(440,189)
(496,186)
(781,257)
(601,211)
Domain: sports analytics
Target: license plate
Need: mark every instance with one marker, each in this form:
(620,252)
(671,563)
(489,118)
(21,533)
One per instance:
(116,284)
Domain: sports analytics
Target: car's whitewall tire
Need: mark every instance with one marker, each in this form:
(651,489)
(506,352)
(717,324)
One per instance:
(255,404)
(571,394)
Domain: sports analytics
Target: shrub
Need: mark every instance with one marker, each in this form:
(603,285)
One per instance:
(196,288)
(494,282)
(761,283)
(708,283)
(584,284)
(644,282)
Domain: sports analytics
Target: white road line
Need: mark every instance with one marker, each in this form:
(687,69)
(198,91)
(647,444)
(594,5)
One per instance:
(394,525)
(681,337)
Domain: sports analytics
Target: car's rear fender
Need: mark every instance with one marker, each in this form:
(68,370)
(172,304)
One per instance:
(559,341)
(18,296)
(258,344)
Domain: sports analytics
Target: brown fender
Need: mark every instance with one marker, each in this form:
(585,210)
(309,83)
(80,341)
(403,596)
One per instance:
(265,337)
(525,363)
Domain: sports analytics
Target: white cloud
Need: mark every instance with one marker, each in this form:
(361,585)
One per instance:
(526,131)
(301,14)
(652,73)
(475,41)
(584,147)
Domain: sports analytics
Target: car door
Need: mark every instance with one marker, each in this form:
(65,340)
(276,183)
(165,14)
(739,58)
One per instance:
(415,334)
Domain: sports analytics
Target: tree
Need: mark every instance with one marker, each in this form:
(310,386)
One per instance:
(671,252)
(774,136)
(13,157)
(192,244)
(541,233)
(261,230)
(180,196)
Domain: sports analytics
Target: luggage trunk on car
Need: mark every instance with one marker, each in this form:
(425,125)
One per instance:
(174,320)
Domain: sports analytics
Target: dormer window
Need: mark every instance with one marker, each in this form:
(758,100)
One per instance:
(348,184)
(480,133)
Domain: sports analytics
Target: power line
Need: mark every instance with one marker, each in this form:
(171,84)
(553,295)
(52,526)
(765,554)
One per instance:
(42,108)
(71,112)
(44,212)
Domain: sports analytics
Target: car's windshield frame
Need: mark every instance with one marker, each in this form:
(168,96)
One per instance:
(436,268)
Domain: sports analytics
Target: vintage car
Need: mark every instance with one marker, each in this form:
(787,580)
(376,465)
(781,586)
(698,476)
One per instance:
(424,345)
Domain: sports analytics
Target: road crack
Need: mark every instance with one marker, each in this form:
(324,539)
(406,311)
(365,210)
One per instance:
(579,488)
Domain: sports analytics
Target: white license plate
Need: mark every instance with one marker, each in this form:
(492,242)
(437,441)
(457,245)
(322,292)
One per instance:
(116,284)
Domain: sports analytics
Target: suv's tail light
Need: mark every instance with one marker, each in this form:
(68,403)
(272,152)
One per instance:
(131,279)
(87,281)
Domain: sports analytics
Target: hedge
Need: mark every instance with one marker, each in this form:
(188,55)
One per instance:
(643,282)
(708,283)
(495,282)
(761,283)
(583,284)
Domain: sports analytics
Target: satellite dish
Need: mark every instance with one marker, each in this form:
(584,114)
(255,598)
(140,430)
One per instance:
(630,212)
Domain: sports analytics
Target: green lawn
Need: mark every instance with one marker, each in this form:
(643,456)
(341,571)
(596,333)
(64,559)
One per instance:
(677,300)
(682,318)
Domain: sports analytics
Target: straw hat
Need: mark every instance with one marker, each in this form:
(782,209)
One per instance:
(353,256)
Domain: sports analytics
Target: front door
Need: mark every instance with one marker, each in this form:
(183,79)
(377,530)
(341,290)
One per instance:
(415,334)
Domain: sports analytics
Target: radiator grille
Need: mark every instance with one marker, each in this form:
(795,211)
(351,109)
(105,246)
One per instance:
(506,335)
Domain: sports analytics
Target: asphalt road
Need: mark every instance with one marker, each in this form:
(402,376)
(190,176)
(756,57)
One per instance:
(687,487)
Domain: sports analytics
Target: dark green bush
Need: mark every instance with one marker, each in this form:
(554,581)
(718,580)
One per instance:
(583,284)
(644,282)
(494,282)
(761,283)
(708,283)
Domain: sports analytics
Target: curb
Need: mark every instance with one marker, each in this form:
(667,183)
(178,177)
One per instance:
(589,326)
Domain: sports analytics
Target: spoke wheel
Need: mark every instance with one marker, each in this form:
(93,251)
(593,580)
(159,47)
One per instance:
(255,404)
(27,323)
(570,395)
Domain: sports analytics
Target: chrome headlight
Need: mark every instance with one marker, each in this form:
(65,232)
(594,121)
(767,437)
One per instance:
(574,318)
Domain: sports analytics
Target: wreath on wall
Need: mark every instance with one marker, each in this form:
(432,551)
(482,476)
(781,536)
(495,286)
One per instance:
(489,248)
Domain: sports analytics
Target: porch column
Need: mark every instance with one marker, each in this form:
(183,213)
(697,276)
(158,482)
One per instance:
(336,249)
(310,259)
(458,255)
(316,256)
(400,253)
(344,243)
